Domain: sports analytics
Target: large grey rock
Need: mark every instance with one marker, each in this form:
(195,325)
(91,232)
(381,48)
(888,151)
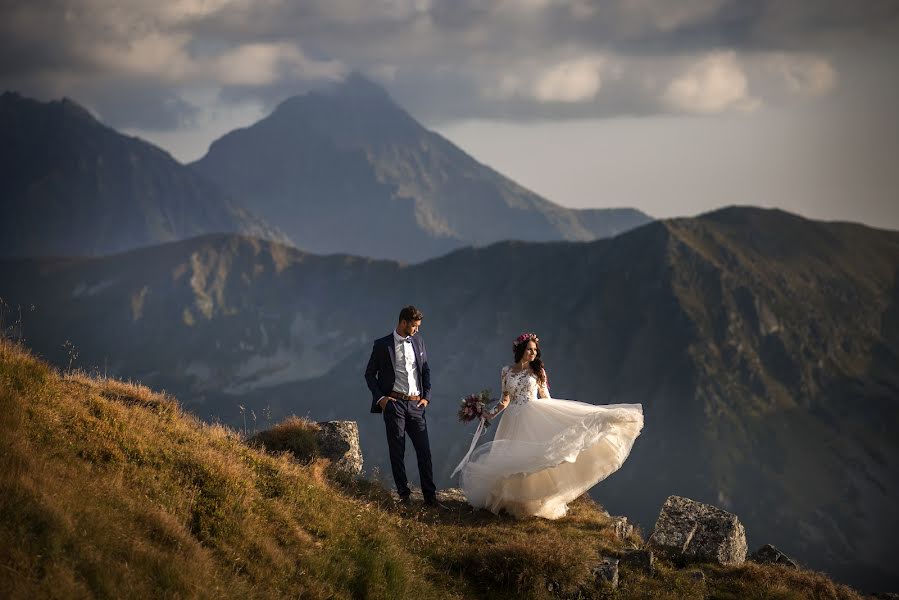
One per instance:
(699,532)
(768,554)
(339,442)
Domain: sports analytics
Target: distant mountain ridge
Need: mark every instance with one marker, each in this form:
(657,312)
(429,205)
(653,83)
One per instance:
(343,170)
(69,185)
(347,170)
(763,346)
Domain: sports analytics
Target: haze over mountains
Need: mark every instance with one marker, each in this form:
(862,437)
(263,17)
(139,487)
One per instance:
(763,346)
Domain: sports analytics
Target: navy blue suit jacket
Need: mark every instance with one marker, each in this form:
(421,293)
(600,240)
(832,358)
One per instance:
(380,375)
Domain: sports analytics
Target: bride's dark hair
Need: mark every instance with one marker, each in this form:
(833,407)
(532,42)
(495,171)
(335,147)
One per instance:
(518,349)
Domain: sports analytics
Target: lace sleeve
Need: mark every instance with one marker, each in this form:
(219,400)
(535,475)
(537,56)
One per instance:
(502,382)
(543,388)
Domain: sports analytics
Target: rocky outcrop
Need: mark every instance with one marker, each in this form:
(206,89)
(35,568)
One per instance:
(768,554)
(621,528)
(339,442)
(606,573)
(699,532)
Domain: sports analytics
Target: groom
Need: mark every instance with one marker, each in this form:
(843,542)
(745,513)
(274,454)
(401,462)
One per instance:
(400,382)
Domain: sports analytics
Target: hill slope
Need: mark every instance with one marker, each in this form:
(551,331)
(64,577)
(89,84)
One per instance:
(764,343)
(73,187)
(347,170)
(108,489)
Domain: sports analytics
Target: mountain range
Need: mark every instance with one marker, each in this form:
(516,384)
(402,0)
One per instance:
(72,186)
(347,170)
(764,348)
(341,170)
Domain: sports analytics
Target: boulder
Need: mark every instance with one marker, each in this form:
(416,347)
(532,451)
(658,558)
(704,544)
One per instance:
(768,554)
(606,573)
(339,442)
(621,527)
(699,532)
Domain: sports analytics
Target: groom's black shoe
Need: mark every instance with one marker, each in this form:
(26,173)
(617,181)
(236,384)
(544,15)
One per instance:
(433,503)
(405,501)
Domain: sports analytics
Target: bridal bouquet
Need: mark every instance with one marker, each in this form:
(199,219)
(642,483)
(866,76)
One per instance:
(474,407)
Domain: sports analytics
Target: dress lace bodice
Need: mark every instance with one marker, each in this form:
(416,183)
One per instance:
(522,386)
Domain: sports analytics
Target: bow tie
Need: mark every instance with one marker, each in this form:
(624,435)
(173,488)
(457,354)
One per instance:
(408,340)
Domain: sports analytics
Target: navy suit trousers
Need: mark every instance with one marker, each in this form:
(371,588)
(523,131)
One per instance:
(402,418)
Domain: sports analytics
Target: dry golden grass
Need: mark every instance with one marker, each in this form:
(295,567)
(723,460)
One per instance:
(108,489)
(295,435)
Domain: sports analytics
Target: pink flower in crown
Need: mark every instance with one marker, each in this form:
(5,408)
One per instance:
(526,337)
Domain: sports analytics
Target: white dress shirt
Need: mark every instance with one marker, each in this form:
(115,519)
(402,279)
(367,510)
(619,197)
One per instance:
(406,381)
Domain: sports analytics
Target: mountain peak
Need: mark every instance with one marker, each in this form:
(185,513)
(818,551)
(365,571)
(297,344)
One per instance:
(61,168)
(65,107)
(358,86)
(356,93)
(354,112)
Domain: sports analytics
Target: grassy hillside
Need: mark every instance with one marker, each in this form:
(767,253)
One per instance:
(108,489)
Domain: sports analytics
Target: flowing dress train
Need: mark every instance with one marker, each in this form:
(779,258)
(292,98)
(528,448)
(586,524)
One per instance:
(547,451)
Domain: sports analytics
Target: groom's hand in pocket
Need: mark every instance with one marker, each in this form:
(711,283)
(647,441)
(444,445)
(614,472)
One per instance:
(383,402)
(422,403)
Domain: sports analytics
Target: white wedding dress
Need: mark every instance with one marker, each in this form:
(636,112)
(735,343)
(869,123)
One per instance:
(547,451)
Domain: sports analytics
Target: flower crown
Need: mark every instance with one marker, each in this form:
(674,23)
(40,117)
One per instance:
(525,338)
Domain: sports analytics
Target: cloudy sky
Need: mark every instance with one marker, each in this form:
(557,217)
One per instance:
(672,106)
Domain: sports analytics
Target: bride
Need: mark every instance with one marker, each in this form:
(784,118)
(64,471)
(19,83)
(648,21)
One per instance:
(546,451)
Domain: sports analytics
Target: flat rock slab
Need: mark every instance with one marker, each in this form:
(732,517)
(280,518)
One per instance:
(699,532)
(445,496)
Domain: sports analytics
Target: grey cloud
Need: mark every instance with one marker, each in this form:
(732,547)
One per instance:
(270,95)
(449,58)
(137,105)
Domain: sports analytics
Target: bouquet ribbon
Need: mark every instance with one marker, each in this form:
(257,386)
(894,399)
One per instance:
(478,433)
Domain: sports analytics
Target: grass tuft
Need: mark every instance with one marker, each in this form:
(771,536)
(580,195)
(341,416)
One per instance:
(296,435)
